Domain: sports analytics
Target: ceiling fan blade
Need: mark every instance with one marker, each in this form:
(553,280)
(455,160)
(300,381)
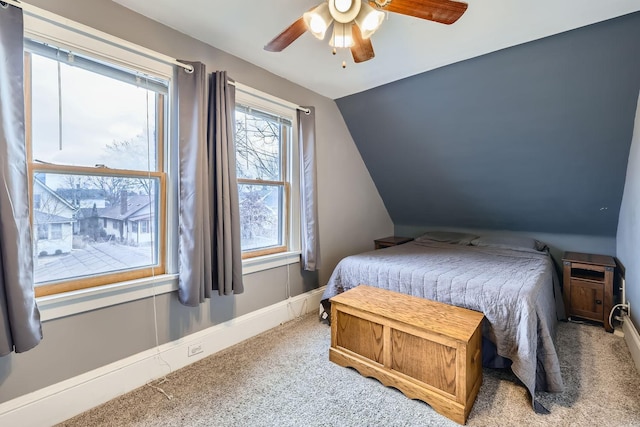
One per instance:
(362,49)
(288,36)
(443,11)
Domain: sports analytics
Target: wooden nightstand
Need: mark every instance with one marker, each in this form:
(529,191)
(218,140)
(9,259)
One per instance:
(386,242)
(588,286)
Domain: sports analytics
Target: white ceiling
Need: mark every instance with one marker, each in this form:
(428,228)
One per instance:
(404,45)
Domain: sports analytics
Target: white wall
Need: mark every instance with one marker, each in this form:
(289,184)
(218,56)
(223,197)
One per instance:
(351,215)
(628,238)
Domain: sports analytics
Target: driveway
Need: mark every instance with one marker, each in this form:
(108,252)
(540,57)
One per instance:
(97,258)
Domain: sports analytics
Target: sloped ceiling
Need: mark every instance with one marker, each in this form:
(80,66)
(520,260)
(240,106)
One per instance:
(531,138)
(534,137)
(404,46)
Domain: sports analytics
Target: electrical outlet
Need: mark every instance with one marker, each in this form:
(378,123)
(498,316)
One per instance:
(195,349)
(629,308)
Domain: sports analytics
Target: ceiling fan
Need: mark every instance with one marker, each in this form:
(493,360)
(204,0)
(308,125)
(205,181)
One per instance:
(354,21)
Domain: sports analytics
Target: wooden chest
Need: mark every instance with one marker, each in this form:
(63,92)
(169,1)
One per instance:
(428,350)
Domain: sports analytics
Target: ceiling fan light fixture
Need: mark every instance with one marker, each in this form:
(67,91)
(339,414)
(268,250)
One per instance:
(344,11)
(318,20)
(342,35)
(369,20)
(343,5)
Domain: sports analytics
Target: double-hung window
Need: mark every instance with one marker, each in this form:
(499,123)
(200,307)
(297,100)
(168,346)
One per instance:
(96,132)
(266,165)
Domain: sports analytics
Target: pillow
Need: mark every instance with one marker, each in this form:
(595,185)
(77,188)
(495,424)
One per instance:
(509,242)
(447,237)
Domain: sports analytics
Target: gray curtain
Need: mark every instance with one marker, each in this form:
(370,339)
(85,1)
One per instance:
(20,328)
(308,189)
(194,247)
(209,244)
(227,253)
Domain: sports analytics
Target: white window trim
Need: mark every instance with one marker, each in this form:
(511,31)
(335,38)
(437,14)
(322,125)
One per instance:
(41,29)
(250,97)
(69,303)
(266,262)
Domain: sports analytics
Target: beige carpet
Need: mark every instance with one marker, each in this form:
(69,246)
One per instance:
(283,378)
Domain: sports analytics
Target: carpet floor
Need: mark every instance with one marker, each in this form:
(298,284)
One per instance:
(283,378)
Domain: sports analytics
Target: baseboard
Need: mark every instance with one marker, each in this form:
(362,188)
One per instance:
(632,338)
(61,401)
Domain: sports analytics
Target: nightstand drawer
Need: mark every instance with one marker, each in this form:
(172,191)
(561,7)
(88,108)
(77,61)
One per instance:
(586,299)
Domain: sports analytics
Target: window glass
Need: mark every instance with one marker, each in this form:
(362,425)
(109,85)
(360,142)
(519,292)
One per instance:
(96,137)
(262,141)
(258,146)
(87,119)
(261,216)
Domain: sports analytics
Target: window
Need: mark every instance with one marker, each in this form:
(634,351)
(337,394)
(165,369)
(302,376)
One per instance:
(95,141)
(264,144)
(56,231)
(43,232)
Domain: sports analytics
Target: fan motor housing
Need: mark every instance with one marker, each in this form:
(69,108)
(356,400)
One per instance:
(346,16)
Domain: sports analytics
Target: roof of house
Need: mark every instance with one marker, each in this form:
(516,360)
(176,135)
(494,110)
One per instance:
(48,189)
(134,204)
(47,218)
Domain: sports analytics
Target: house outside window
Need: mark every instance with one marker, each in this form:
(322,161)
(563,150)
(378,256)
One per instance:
(96,138)
(266,169)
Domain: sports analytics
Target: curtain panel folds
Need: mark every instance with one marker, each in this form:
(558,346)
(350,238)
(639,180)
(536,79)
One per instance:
(227,252)
(194,247)
(308,189)
(210,256)
(20,327)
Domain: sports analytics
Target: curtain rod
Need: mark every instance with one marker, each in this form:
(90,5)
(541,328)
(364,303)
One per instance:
(267,97)
(92,32)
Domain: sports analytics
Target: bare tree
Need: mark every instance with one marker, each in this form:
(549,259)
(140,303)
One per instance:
(258,148)
(258,157)
(113,186)
(138,153)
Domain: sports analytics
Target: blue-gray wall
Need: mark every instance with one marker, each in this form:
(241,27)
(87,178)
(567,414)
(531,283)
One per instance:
(628,240)
(531,138)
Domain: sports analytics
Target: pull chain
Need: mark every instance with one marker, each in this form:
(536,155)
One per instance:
(59,101)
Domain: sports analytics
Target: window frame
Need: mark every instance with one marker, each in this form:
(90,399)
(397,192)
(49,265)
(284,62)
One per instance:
(269,104)
(160,173)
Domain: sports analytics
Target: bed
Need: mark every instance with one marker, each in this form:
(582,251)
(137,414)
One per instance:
(512,281)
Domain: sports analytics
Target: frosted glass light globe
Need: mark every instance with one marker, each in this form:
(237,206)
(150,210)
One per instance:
(343,5)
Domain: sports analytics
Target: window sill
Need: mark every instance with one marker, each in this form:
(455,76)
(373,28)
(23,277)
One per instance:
(70,303)
(266,262)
